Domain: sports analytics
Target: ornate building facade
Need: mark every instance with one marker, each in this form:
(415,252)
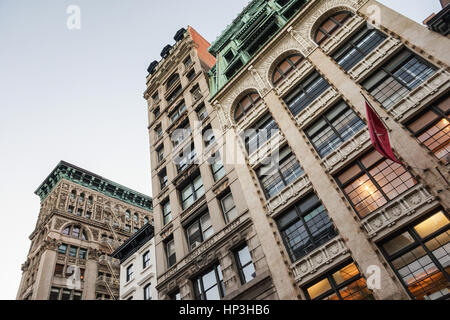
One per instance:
(333,219)
(83,219)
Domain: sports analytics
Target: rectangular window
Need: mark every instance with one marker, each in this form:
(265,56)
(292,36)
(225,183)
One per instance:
(59,270)
(191,75)
(188,62)
(88,215)
(155,97)
(281,172)
(62,248)
(148,292)
(146,260)
(167,212)
(229,208)
(202,113)
(66,293)
(373,181)
(306,92)
(199,231)
(181,134)
(175,296)
(70,209)
(158,131)
(260,133)
(174,116)
(170,253)
(305,227)
(208,136)
(160,154)
(402,74)
(217,167)
(345,283)
(157,112)
(129,274)
(196,93)
(209,286)
(192,192)
(186,158)
(245,265)
(77,295)
(333,128)
(54,294)
(358,47)
(432,129)
(82,254)
(79,212)
(163,180)
(73,251)
(420,256)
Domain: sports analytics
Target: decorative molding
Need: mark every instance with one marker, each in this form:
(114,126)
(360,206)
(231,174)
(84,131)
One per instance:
(320,260)
(400,210)
(285,197)
(337,158)
(374,58)
(410,104)
(319,105)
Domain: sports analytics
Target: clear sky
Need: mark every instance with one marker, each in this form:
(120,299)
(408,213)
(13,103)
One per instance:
(76,95)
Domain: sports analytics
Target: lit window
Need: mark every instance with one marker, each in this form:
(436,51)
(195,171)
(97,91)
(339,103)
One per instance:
(346,283)
(432,129)
(420,255)
(373,181)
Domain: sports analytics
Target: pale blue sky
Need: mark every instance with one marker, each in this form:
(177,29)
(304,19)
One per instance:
(77,95)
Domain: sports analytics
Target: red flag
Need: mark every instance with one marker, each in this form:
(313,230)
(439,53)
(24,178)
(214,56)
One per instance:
(379,134)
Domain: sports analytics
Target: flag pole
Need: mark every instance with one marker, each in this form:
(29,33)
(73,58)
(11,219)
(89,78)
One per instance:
(375,111)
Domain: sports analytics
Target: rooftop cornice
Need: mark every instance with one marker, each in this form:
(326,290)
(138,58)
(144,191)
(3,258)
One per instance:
(82,177)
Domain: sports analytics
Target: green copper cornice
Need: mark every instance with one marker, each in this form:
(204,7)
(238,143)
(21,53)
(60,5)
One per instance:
(254,27)
(65,170)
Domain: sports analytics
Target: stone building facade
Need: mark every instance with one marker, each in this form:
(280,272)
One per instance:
(334,219)
(83,218)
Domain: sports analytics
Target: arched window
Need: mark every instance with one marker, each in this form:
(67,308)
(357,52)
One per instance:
(75,232)
(285,68)
(127,214)
(331,25)
(146,221)
(90,200)
(73,195)
(82,197)
(245,105)
(136,217)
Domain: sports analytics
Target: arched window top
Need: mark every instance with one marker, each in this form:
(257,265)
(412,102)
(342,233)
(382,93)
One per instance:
(171,81)
(75,232)
(246,104)
(73,194)
(128,214)
(331,25)
(82,197)
(136,217)
(285,68)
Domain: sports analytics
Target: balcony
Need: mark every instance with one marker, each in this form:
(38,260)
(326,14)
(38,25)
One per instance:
(405,208)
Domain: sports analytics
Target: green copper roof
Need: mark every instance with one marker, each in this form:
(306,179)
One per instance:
(255,26)
(65,170)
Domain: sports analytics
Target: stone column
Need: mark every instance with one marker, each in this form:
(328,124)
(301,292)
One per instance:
(44,276)
(277,263)
(343,218)
(90,276)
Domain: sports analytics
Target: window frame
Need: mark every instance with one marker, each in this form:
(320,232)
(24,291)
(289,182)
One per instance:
(293,67)
(198,223)
(200,293)
(418,242)
(245,110)
(146,259)
(147,292)
(337,26)
(241,267)
(129,274)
